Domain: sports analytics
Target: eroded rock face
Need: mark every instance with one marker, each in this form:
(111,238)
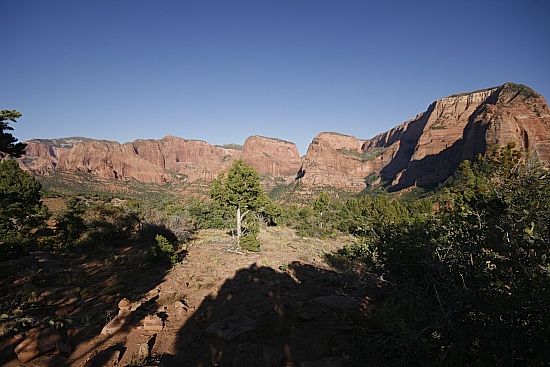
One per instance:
(160,161)
(335,160)
(41,158)
(420,152)
(273,157)
(427,149)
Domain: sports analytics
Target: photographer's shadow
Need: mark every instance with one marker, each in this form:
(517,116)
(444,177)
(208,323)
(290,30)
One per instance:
(268,317)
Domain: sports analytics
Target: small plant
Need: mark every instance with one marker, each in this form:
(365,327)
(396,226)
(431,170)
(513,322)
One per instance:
(162,250)
(250,242)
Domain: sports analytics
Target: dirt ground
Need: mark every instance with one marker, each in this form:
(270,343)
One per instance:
(302,312)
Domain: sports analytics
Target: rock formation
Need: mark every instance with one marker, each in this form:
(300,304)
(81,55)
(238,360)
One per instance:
(272,157)
(427,149)
(420,152)
(160,161)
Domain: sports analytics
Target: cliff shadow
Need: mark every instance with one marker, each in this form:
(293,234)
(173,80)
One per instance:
(434,169)
(408,142)
(268,317)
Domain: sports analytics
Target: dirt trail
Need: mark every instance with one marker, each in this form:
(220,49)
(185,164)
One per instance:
(220,307)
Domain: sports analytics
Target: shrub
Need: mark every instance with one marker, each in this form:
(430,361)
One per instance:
(163,251)
(470,284)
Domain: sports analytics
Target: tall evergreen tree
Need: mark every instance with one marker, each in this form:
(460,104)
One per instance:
(240,190)
(20,208)
(8,143)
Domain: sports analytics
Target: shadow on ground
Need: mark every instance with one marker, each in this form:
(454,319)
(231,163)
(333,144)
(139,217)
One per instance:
(298,315)
(61,301)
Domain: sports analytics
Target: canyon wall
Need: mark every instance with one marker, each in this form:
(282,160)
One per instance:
(418,153)
(429,148)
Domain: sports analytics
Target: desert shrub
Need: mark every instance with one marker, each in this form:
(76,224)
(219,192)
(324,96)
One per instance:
(250,241)
(70,223)
(470,284)
(92,222)
(209,214)
(163,251)
(20,210)
(171,220)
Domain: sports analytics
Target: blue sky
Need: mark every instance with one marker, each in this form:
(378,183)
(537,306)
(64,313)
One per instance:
(221,71)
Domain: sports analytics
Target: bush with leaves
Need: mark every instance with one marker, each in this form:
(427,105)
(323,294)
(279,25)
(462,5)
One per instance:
(163,251)
(209,214)
(471,284)
(70,223)
(21,210)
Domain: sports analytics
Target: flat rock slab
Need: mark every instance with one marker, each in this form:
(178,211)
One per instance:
(257,355)
(36,344)
(152,323)
(324,362)
(231,327)
(338,302)
(53,360)
(108,357)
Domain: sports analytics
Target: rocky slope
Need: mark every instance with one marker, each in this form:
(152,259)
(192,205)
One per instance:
(159,161)
(427,149)
(420,152)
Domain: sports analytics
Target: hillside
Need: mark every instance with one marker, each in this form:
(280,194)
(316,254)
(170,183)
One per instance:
(421,152)
(288,289)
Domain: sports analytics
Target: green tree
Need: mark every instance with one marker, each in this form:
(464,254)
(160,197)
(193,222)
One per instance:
(20,207)
(470,283)
(163,251)
(8,143)
(241,191)
(70,223)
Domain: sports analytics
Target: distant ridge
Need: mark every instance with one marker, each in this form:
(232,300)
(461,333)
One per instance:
(420,152)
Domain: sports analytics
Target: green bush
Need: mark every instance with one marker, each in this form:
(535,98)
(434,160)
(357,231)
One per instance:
(163,251)
(249,240)
(469,285)
(21,210)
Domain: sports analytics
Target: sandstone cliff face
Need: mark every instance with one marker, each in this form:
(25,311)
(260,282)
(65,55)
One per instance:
(272,157)
(420,152)
(161,161)
(427,149)
(190,160)
(335,160)
(40,158)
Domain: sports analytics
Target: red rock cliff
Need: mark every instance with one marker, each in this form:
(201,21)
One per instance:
(272,157)
(160,161)
(427,149)
(420,152)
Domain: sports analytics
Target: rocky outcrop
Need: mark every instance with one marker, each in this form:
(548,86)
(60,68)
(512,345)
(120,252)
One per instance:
(160,161)
(41,158)
(420,152)
(427,149)
(335,160)
(272,157)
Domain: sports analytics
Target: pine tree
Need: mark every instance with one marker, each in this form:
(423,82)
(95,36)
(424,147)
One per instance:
(241,191)
(8,143)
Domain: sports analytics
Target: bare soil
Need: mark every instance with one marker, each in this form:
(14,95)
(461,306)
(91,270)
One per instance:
(278,288)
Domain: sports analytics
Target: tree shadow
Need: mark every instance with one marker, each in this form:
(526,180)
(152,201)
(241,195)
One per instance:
(74,293)
(290,315)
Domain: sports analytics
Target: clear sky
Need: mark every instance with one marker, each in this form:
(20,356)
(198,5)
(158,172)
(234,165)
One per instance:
(223,70)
